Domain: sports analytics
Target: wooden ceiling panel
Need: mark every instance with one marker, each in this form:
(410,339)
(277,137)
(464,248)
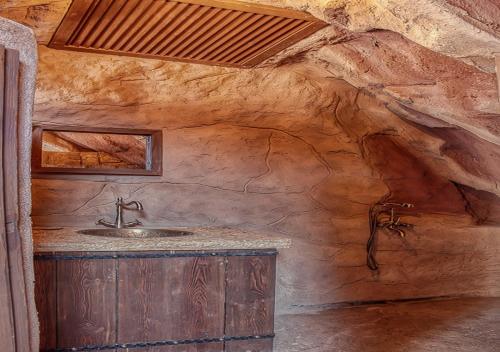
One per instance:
(217,32)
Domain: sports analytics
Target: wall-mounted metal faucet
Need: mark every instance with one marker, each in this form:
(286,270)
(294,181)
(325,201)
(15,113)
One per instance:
(382,215)
(120,205)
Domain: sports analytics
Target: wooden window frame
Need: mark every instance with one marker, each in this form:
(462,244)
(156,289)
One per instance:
(156,151)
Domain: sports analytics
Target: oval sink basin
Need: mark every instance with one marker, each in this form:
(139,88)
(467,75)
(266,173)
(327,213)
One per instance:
(135,233)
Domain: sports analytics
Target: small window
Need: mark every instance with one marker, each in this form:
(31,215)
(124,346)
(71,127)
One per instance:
(82,150)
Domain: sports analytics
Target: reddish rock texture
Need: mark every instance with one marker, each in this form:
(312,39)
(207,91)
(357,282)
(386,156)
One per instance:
(395,98)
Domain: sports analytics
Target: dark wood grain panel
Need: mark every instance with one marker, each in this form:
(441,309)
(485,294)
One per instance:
(7,320)
(250,295)
(11,201)
(174,298)
(86,301)
(262,345)
(45,298)
(203,347)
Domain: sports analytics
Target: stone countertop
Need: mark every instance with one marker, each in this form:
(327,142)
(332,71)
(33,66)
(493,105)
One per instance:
(69,240)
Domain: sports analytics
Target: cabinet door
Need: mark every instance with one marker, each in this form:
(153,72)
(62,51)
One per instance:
(45,298)
(250,295)
(86,302)
(170,299)
(203,347)
(76,301)
(261,345)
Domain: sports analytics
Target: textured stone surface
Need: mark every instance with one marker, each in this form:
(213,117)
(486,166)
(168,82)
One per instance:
(395,98)
(278,150)
(460,325)
(68,239)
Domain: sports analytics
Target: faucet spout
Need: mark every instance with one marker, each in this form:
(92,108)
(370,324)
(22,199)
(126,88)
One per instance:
(120,205)
(135,203)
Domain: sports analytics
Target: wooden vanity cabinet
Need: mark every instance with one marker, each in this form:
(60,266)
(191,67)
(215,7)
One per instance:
(156,301)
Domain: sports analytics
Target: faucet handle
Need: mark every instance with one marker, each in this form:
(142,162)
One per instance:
(132,223)
(105,223)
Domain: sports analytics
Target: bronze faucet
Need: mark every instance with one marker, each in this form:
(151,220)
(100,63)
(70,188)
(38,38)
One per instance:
(382,215)
(394,222)
(120,205)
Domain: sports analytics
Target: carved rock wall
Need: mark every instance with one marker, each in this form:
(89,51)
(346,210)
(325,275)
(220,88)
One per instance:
(395,98)
(285,149)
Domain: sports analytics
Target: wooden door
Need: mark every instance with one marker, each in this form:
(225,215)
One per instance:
(14,321)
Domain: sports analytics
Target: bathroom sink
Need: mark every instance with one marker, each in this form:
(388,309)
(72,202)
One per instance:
(135,233)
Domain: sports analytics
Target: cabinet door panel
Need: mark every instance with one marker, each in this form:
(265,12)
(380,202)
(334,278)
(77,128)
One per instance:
(170,298)
(264,345)
(45,297)
(205,347)
(86,301)
(250,295)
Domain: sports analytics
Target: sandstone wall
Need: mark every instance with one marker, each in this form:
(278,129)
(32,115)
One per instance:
(282,149)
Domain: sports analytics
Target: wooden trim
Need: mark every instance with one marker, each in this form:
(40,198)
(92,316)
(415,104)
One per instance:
(70,21)
(11,201)
(7,330)
(156,151)
(253,8)
(145,56)
(154,254)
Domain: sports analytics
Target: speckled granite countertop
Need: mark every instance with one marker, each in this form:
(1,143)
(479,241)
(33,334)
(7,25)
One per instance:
(69,240)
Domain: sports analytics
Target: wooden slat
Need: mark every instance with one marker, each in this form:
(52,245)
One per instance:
(250,284)
(11,200)
(198,29)
(239,24)
(152,28)
(45,297)
(175,298)
(263,345)
(139,20)
(91,18)
(235,36)
(282,44)
(140,6)
(106,20)
(116,24)
(259,41)
(218,32)
(227,16)
(214,34)
(89,30)
(173,17)
(273,25)
(186,28)
(184,22)
(73,20)
(86,301)
(7,332)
